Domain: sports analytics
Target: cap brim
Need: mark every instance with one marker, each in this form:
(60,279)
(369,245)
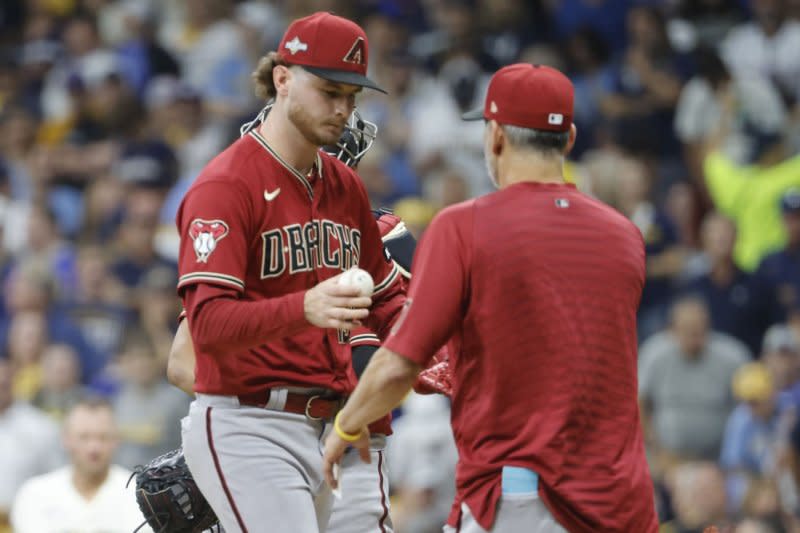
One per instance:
(342,76)
(474,114)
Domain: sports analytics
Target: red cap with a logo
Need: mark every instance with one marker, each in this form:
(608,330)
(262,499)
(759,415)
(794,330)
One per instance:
(331,47)
(529,96)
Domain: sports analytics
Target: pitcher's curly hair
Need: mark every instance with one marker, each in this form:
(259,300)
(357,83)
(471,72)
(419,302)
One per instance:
(262,75)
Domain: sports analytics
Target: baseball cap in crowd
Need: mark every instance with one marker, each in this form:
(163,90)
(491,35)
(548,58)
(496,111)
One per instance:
(780,338)
(752,382)
(146,164)
(790,202)
(330,47)
(529,96)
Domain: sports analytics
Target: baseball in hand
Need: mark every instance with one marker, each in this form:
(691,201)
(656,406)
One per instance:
(359,278)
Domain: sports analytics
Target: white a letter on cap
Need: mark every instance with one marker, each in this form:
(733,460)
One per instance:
(556,119)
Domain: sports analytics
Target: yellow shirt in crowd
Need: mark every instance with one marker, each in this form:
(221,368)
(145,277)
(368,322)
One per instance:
(751,196)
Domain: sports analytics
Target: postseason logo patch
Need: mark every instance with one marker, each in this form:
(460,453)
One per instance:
(205,235)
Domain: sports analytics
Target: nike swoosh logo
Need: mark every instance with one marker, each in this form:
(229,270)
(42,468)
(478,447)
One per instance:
(269,196)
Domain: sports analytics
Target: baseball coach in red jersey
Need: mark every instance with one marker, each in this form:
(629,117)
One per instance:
(266,229)
(535,287)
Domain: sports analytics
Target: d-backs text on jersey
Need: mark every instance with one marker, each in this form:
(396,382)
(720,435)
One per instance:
(315,244)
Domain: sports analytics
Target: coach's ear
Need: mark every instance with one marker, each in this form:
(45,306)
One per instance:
(497,137)
(573,134)
(281,76)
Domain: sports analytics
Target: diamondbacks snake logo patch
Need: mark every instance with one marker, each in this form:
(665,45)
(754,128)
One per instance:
(205,235)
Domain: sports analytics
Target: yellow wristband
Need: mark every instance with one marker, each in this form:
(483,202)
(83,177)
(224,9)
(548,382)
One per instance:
(349,437)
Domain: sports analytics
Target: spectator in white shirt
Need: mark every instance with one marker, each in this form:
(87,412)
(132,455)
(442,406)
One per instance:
(28,442)
(88,495)
(767,47)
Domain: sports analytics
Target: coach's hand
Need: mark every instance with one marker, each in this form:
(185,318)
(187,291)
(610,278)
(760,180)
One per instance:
(335,446)
(330,305)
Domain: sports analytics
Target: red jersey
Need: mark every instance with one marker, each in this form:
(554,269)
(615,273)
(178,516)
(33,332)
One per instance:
(537,287)
(257,229)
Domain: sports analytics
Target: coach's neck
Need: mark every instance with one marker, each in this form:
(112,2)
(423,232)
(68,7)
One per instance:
(515,164)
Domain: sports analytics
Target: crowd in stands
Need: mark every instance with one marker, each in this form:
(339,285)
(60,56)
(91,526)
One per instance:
(688,117)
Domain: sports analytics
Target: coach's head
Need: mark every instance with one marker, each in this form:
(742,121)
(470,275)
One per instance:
(529,129)
(314,76)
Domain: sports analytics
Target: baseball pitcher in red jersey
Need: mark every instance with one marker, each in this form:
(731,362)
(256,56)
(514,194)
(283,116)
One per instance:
(265,230)
(537,298)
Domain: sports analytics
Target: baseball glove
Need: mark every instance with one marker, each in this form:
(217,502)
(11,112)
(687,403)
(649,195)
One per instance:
(169,498)
(437,378)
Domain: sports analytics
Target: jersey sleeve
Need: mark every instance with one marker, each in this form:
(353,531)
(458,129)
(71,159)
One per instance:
(362,336)
(437,295)
(214,222)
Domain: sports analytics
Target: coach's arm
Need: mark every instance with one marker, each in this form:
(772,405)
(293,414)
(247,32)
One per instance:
(386,381)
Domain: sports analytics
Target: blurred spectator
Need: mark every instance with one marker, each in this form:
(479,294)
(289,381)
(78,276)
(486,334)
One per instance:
(262,25)
(60,388)
(140,55)
(758,108)
(708,20)
(393,117)
(416,213)
(507,27)
(158,308)
(750,195)
(29,288)
(646,88)
(453,33)
(698,498)
(20,154)
(27,338)
(749,447)
(685,386)
(146,163)
(103,200)
(135,251)
(214,58)
(177,115)
(438,137)
(665,259)
(86,61)
(606,17)
(147,408)
(422,467)
(98,305)
(751,525)
(682,206)
(46,245)
(593,78)
(739,305)
(780,271)
(28,438)
(91,493)
(781,355)
(34,61)
(763,502)
(767,46)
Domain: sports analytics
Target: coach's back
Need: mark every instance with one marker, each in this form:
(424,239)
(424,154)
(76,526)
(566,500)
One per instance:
(546,356)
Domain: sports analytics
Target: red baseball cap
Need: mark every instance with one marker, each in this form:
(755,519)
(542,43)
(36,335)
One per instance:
(529,96)
(330,47)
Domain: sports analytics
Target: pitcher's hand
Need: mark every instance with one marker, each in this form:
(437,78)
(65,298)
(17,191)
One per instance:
(330,305)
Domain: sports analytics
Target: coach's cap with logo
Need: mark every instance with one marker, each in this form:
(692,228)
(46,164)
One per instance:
(331,47)
(529,96)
